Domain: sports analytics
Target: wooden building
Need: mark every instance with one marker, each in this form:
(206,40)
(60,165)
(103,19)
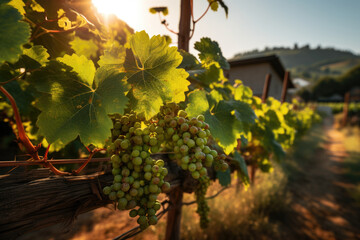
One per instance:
(252,72)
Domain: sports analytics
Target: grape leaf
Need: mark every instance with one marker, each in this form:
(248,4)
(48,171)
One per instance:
(18,89)
(37,53)
(224,6)
(210,52)
(151,69)
(242,92)
(243,111)
(224,177)
(13,33)
(214,5)
(19,5)
(88,48)
(163,10)
(212,74)
(222,123)
(272,145)
(189,61)
(71,107)
(113,56)
(242,168)
(81,65)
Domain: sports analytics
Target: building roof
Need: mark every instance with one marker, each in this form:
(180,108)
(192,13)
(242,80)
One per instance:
(273,60)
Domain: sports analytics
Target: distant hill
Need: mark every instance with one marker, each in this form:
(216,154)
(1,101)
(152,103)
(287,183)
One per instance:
(310,64)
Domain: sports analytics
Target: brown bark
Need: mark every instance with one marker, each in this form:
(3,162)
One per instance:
(184,25)
(174,216)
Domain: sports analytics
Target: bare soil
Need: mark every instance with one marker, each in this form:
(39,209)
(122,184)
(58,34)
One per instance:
(321,208)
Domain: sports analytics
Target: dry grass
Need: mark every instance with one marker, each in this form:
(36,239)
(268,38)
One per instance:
(244,214)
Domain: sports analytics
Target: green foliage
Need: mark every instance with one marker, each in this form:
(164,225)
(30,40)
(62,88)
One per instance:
(13,33)
(225,126)
(163,10)
(73,107)
(328,86)
(214,5)
(224,177)
(240,164)
(151,69)
(37,53)
(113,56)
(210,52)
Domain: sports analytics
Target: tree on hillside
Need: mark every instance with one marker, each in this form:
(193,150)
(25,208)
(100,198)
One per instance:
(351,79)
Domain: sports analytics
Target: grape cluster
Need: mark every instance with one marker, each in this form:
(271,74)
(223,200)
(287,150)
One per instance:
(220,164)
(203,208)
(138,179)
(187,138)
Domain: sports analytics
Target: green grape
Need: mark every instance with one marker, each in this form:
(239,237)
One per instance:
(151,212)
(165,187)
(153,188)
(125,144)
(133,213)
(117,186)
(153,220)
(117,178)
(122,203)
(120,194)
(192,167)
(195,174)
(107,190)
(137,161)
(142,220)
(160,163)
(157,206)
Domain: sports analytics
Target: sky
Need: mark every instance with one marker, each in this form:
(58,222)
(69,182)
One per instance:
(253,24)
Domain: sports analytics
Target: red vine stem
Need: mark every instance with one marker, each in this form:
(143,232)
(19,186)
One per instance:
(23,138)
(192,16)
(166,25)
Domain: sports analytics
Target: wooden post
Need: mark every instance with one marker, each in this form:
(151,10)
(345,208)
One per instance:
(184,25)
(253,173)
(285,86)
(346,108)
(174,215)
(266,87)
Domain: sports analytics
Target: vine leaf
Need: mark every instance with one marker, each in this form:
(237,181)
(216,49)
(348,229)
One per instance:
(163,10)
(71,107)
(88,48)
(223,125)
(224,177)
(113,56)
(19,5)
(210,52)
(37,53)
(272,145)
(242,168)
(214,5)
(151,69)
(81,65)
(13,33)
(213,74)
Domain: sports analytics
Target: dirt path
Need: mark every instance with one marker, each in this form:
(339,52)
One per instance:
(321,207)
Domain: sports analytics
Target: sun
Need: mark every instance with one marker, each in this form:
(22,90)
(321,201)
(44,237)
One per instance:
(126,10)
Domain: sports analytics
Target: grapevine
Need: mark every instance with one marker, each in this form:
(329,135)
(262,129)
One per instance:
(138,179)
(106,86)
